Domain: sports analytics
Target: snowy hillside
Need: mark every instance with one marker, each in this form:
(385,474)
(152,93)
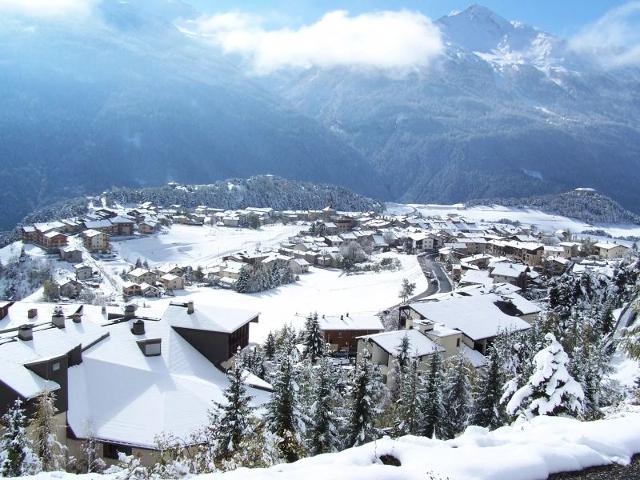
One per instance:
(523,452)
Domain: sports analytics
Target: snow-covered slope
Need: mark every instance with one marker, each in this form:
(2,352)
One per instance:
(530,451)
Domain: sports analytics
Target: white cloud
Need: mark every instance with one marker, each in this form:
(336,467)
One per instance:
(614,39)
(47,8)
(385,40)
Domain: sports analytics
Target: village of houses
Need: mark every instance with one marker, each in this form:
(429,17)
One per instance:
(169,321)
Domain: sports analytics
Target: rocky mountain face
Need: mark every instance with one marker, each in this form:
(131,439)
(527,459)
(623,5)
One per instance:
(507,111)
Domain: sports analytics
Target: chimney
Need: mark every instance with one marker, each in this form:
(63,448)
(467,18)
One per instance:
(129,311)
(103,310)
(137,328)
(190,308)
(25,333)
(32,313)
(58,318)
(77,316)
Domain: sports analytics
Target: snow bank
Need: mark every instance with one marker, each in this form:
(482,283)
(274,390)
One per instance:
(529,451)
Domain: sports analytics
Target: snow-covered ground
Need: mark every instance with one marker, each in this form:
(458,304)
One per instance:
(201,245)
(544,221)
(529,451)
(321,290)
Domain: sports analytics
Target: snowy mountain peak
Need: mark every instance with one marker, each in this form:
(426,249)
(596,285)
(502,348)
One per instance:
(479,29)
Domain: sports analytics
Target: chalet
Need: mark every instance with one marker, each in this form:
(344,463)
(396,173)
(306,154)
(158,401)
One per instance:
(384,348)
(555,265)
(122,226)
(83,271)
(131,289)
(344,223)
(172,269)
(380,244)
(172,282)
(608,250)
(71,254)
(342,332)
(83,354)
(95,240)
(570,249)
(298,266)
(103,225)
(147,290)
(140,275)
(148,226)
(70,289)
(53,241)
(29,234)
(480,317)
(71,226)
(513,273)
(333,240)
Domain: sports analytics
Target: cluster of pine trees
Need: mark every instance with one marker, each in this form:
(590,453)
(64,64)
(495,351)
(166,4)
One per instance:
(260,277)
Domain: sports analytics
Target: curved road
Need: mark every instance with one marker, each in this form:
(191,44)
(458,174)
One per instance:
(432,268)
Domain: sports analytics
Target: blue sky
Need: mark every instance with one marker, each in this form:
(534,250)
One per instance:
(562,17)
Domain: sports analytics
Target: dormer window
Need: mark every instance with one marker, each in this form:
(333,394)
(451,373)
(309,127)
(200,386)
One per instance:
(151,348)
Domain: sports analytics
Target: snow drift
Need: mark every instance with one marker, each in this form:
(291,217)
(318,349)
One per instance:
(528,451)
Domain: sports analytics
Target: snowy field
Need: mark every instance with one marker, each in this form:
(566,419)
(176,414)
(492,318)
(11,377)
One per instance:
(320,290)
(529,451)
(201,245)
(545,221)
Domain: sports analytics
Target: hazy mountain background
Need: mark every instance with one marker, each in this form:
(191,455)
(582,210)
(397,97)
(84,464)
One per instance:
(506,111)
(132,101)
(129,100)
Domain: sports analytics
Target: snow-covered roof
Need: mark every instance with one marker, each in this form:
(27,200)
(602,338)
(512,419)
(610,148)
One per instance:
(91,233)
(350,322)
(419,344)
(509,270)
(609,246)
(208,317)
(97,224)
(477,316)
(479,277)
(118,394)
(474,357)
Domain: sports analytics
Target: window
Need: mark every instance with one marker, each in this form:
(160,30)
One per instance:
(152,349)
(55,367)
(457,342)
(111,450)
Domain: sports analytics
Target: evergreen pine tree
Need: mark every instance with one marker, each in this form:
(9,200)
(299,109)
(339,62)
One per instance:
(550,390)
(488,411)
(400,367)
(314,345)
(270,346)
(17,457)
(234,415)
(283,414)
(457,400)
(410,402)
(323,434)
(244,280)
(432,411)
(366,392)
(48,448)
